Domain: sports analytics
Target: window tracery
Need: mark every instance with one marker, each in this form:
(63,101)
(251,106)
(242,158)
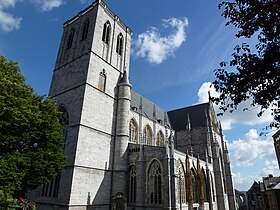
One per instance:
(155,183)
(181,190)
(132,184)
(147,135)
(133,131)
(160,139)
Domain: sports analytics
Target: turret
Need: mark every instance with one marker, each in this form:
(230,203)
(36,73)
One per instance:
(121,141)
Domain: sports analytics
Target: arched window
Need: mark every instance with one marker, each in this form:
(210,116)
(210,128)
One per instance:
(119,48)
(133,131)
(102,81)
(212,185)
(132,184)
(106,32)
(181,186)
(205,186)
(64,120)
(70,38)
(147,135)
(160,139)
(155,183)
(85,29)
(194,186)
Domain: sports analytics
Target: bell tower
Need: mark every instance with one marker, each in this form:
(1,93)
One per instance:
(90,71)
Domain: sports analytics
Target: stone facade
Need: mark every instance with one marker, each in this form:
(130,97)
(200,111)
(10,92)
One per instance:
(123,151)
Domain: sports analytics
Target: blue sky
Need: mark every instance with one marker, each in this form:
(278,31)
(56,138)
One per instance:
(176,46)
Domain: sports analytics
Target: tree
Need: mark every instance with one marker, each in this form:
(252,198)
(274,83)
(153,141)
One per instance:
(256,72)
(31,141)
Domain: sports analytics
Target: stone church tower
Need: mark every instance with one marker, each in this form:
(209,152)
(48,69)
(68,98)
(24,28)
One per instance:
(90,82)
(123,151)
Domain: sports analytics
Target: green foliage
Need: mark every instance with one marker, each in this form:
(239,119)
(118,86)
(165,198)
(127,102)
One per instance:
(7,202)
(256,76)
(31,141)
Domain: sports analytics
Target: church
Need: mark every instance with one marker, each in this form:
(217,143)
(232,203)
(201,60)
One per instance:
(123,151)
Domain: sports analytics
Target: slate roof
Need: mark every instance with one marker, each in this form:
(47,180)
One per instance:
(148,108)
(196,114)
(178,119)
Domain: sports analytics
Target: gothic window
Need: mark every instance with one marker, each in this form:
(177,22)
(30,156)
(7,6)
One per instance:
(106,32)
(194,186)
(119,48)
(132,184)
(147,135)
(160,139)
(64,120)
(85,29)
(155,183)
(51,188)
(181,187)
(212,184)
(70,38)
(102,81)
(133,131)
(205,186)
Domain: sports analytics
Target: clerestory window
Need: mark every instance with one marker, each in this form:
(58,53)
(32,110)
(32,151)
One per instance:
(147,135)
(160,139)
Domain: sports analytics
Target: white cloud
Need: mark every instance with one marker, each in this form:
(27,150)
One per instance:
(249,149)
(47,5)
(156,48)
(202,94)
(270,167)
(243,183)
(7,21)
(256,155)
(237,117)
(7,3)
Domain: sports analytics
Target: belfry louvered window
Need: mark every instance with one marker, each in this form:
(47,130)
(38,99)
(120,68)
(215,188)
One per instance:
(119,48)
(106,32)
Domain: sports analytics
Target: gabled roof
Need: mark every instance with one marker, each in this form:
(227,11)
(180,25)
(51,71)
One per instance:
(195,116)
